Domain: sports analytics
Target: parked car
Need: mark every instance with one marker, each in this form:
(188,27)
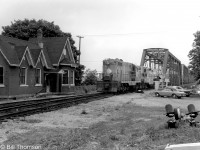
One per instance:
(169,92)
(196,87)
(196,90)
(186,91)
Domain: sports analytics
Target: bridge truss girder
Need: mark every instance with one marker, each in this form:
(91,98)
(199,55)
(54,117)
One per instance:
(161,59)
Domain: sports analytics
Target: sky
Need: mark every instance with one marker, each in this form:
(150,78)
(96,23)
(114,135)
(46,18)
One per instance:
(115,28)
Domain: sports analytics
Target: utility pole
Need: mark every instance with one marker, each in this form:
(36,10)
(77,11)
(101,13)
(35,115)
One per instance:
(80,37)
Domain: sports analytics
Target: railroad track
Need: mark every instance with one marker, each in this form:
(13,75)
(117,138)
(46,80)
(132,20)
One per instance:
(27,107)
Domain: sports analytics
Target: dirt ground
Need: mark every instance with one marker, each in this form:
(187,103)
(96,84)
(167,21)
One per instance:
(143,109)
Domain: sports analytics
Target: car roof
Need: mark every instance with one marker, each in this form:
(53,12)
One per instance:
(169,87)
(173,86)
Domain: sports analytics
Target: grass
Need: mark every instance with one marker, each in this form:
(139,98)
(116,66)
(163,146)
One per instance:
(32,120)
(84,112)
(130,127)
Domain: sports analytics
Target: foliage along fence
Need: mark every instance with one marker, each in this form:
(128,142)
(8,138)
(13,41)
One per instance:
(65,90)
(79,89)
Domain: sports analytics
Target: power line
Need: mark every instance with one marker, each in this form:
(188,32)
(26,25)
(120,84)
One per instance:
(121,34)
(90,60)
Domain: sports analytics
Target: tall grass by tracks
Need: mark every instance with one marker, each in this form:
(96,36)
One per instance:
(128,127)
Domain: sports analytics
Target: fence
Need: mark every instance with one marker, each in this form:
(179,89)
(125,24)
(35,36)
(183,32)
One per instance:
(79,89)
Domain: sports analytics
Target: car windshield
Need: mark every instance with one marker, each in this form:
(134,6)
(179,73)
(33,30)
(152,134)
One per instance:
(170,89)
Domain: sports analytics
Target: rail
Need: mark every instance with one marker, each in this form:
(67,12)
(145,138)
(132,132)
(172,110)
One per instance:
(28,107)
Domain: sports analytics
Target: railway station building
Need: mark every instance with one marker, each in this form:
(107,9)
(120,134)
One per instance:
(39,65)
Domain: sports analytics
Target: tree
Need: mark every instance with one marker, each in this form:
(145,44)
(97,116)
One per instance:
(194,56)
(90,77)
(25,29)
(79,74)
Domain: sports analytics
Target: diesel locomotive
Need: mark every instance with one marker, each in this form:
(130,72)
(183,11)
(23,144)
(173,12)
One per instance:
(120,76)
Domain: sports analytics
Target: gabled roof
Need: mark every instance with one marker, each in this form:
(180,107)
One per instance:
(19,42)
(66,61)
(49,64)
(14,50)
(67,53)
(70,51)
(9,53)
(35,54)
(20,50)
(54,46)
(42,58)
(27,55)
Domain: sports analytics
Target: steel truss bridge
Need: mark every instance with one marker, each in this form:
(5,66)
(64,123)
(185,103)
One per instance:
(164,61)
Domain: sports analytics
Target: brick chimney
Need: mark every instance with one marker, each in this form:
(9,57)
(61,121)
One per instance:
(39,38)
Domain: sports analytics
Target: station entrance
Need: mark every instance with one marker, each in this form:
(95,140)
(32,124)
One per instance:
(53,82)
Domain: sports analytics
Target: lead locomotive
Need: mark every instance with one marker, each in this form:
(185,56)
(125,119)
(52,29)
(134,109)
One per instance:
(119,76)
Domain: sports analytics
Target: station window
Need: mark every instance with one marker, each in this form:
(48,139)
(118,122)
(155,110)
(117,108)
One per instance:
(38,76)
(66,77)
(1,75)
(72,77)
(23,76)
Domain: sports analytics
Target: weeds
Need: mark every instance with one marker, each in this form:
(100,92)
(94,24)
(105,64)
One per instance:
(121,131)
(33,120)
(114,138)
(84,112)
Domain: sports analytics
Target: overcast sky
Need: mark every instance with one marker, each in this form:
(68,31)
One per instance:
(115,28)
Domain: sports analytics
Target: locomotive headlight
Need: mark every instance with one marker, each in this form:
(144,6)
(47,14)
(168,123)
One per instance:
(108,71)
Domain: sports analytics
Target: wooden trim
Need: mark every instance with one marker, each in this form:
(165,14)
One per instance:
(72,55)
(43,59)
(67,43)
(30,56)
(30,62)
(62,53)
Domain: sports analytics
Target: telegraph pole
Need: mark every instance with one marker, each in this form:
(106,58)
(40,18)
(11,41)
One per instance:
(80,37)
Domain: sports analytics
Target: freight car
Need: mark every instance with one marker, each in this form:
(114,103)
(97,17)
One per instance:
(120,76)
